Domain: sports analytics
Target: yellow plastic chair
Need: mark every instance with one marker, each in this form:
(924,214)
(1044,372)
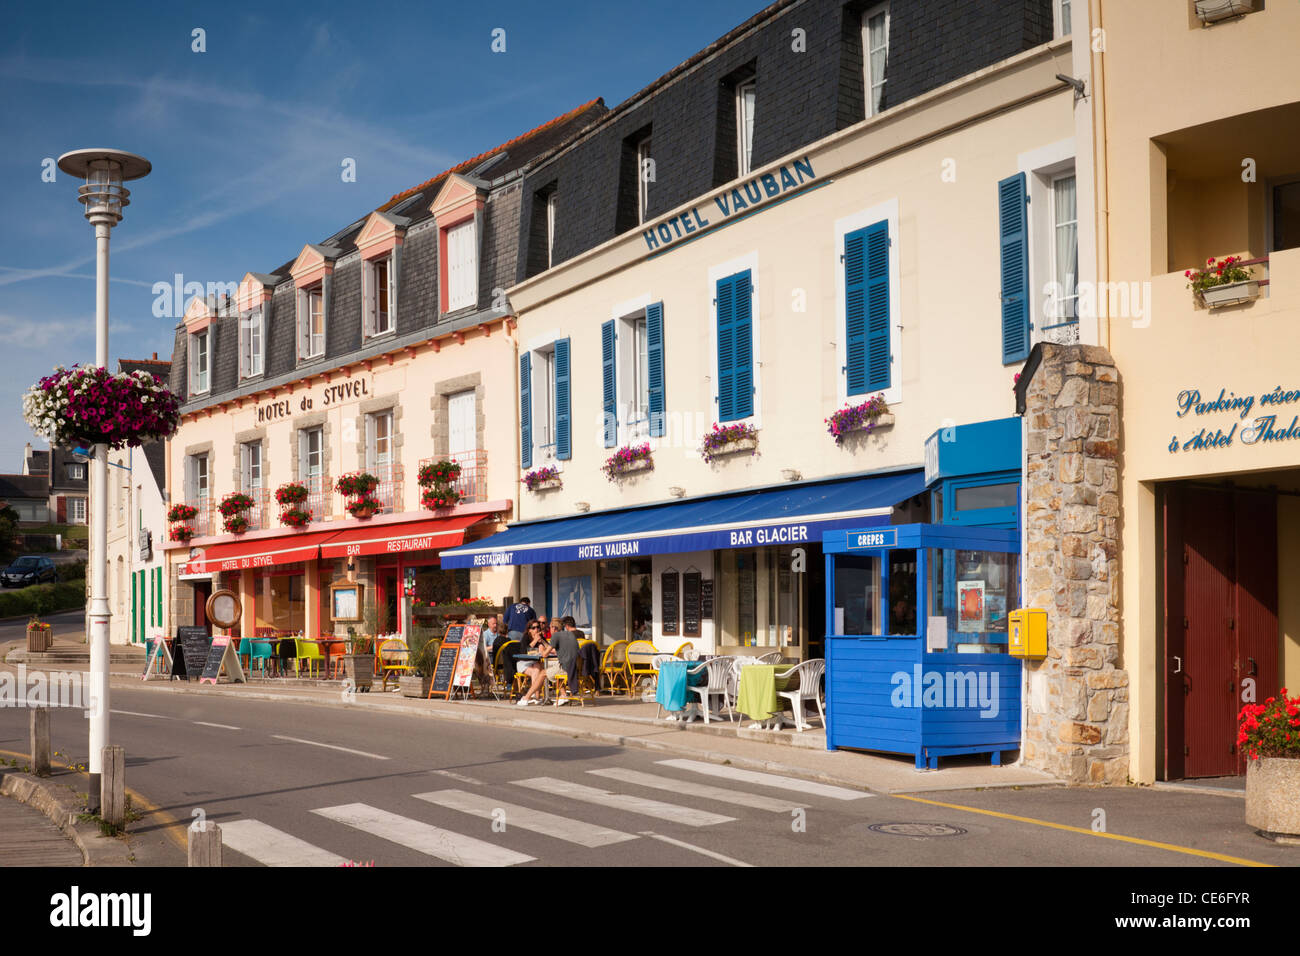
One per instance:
(394,660)
(613,667)
(684,650)
(307,653)
(640,663)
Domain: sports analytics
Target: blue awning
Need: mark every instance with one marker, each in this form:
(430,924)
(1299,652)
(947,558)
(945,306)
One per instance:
(794,515)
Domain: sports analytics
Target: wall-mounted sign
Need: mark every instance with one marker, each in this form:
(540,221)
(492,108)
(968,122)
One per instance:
(725,207)
(1271,426)
(669,601)
(872,539)
(324,396)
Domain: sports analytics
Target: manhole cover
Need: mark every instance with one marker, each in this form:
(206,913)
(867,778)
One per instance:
(917,829)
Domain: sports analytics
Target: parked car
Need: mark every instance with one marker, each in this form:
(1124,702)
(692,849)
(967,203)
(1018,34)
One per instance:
(29,569)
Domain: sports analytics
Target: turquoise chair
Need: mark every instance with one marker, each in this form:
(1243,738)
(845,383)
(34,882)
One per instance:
(255,650)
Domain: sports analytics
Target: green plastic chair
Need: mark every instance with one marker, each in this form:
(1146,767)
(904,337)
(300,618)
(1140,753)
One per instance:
(308,652)
(255,650)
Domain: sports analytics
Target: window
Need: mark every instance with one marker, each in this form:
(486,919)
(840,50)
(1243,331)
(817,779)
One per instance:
(76,472)
(735,347)
(544,405)
(744,126)
(250,466)
(311,457)
(1062,12)
(866,296)
(1285,212)
(197,479)
(199,362)
(632,367)
(77,510)
(644,173)
(311,323)
(875,55)
(550,229)
(379,445)
(1013,229)
(251,349)
(462,266)
(378,296)
(1065,251)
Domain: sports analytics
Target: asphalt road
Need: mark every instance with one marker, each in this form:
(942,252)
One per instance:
(295,783)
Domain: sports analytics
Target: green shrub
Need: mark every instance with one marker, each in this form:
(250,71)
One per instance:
(72,571)
(43,599)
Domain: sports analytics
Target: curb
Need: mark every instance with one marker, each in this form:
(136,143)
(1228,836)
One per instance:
(62,809)
(711,756)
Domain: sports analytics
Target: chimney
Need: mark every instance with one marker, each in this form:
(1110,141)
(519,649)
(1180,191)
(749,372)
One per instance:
(155,356)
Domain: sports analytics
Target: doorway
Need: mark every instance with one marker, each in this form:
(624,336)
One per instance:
(1221,620)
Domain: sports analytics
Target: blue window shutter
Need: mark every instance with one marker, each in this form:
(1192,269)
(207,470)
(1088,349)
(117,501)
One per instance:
(563,444)
(876,263)
(726,307)
(1014,241)
(654,333)
(526,410)
(744,381)
(855,311)
(607,382)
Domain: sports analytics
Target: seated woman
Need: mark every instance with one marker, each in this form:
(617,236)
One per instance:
(536,670)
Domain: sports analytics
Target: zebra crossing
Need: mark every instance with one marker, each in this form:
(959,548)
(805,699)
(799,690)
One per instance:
(606,788)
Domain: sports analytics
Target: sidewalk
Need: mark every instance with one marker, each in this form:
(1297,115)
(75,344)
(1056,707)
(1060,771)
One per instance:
(28,838)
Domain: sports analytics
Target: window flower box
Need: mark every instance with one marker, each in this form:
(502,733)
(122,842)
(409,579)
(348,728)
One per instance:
(728,440)
(291,493)
(1223,282)
(357,484)
(296,518)
(439,496)
(628,460)
(443,472)
(182,512)
(364,507)
(1212,11)
(1233,293)
(543,479)
(232,509)
(181,533)
(864,418)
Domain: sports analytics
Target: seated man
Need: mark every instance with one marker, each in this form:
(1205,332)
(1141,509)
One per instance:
(565,643)
(536,670)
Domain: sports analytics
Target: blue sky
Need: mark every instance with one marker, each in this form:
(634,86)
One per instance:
(247,138)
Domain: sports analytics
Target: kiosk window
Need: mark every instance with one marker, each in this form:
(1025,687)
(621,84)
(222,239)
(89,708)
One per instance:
(902,592)
(857,594)
(973,497)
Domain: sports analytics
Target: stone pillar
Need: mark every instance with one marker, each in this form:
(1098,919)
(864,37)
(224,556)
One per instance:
(1076,722)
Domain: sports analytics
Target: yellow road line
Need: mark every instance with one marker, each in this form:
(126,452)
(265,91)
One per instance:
(1171,847)
(168,822)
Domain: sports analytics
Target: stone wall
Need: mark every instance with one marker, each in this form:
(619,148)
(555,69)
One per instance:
(1077,716)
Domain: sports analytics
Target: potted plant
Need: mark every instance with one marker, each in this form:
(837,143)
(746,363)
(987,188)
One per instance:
(543,479)
(628,460)
(359,661)
(865,418)
(423,657)
(180,532)
(1269,736)
(182,512)
(356,484)
(1223,282)
(444,472)
(728,440)
(90,406)
(439,497)
(295,518)
(38,634)
(364,507)
(232,510)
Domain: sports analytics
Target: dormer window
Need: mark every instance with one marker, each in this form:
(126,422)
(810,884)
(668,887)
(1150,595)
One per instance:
(462,266)
(458,209)
(745,126)
(311,323)
(252,351)
(875,55)
(312,274)
(378,296)
(200,362)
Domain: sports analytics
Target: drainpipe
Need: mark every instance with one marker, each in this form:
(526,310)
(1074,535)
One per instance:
(514,364)
(1101,217)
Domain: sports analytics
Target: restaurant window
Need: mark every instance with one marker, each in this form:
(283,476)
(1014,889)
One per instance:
(760,600)
(641,604)
(573,594)
(612,609)
(425,587)
(281,601)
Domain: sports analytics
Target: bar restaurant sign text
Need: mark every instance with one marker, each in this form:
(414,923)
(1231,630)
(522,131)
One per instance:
(325,396)
(1259,418)
(728,206)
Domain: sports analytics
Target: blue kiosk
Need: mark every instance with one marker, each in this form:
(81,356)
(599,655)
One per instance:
(917,614)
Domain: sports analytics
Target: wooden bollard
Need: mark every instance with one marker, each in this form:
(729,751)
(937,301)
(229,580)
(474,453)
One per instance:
(41,741)
(204,843)
(112,787)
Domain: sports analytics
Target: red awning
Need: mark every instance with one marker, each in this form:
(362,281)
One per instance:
(259,552)
(429,534)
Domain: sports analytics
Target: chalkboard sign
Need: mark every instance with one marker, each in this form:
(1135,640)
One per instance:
(706,599)
(691,604)
(190,651)
(444,668)
(670,603)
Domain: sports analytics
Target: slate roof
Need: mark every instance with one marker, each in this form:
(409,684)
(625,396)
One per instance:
(24,486)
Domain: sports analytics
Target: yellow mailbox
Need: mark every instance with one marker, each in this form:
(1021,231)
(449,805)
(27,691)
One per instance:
(1028,633)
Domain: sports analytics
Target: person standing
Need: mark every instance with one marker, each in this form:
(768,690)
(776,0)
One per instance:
(520,615)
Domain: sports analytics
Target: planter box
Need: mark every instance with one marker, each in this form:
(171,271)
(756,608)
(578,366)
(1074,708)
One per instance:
(736,447)
(548,485)
(1217,296)
(412,685)
(1212,11)
(885,420)
(360,669)
(1273,796)
(641,464)
(38,640)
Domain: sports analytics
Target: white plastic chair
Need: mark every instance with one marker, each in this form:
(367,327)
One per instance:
(810,680)
(719,684)
(772,657)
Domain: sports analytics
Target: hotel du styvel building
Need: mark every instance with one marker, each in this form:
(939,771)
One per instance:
(382,348)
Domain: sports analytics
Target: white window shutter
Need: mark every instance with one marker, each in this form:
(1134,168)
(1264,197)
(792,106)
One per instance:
(370,441)
(368,298)
(304,325)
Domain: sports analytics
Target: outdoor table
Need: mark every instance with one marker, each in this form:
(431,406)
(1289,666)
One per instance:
(757,698)
(674,679)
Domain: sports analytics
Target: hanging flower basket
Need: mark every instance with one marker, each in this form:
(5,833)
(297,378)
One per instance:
(291,493)
(181,532)
(728,440)
(364,507)
(444,472)
(542,479)
(865,418)
(295,518)
(182,512)
(439,496)
(357,484)
(628,460)
(89,406)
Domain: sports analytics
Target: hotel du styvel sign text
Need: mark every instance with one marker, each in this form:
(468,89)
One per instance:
(1268,424)
(325,397)
(728,206)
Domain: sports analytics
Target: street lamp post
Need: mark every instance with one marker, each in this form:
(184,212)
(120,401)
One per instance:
(104,196)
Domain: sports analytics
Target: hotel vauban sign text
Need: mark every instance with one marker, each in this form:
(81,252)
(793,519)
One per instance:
(326,396)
